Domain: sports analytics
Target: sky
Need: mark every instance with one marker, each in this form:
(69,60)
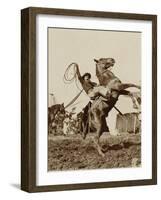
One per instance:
(82,46)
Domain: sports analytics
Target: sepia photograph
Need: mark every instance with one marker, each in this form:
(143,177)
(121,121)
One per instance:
(94,99)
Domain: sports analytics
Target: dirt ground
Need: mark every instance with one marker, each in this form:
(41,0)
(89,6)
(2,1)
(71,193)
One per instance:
(73,153)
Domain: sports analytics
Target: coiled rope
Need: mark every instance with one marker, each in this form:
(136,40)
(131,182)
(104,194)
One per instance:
(69,77)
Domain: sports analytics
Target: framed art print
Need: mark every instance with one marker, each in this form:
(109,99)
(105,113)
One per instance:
(88,99)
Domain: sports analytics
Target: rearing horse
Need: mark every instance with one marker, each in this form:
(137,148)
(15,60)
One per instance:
(101,107)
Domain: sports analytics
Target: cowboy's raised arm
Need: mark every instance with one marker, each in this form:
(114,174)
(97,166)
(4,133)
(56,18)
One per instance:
(78,73)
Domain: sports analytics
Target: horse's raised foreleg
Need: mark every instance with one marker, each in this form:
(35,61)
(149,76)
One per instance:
(127,85)
(130,94)
(124,92)
(135,106)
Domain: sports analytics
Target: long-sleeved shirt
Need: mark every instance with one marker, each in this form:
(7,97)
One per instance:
(86,85)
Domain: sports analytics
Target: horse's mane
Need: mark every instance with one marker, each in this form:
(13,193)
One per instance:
(105,76)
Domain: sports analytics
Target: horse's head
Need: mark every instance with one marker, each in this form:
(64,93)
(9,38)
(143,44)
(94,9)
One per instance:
(104,63)
(103,72)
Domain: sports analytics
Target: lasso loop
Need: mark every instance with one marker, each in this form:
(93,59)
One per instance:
(68,80)
(71,70)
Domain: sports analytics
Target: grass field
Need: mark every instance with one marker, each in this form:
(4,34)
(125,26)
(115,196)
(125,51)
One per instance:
(73,153)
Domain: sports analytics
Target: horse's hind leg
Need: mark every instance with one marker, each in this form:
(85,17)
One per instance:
(99,149)
(85,129)
(97,137)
